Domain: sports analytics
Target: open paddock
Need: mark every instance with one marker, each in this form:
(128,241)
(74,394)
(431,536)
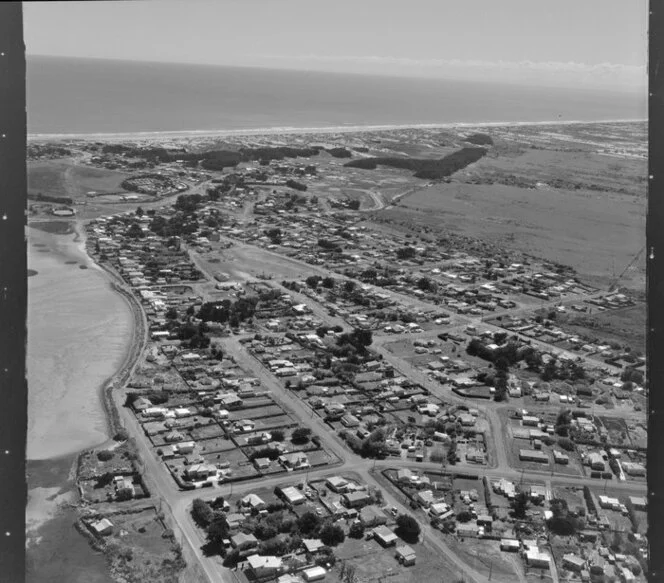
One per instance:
(66,178)
(375,564)
(142,530)
(216,445)
(553,224)
(255,413)
(159,439)
(207,431)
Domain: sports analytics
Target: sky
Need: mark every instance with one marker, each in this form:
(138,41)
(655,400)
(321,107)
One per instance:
(575,43)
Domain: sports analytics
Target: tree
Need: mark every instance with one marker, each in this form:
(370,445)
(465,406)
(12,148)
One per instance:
(328,282)
(407,528)
(301,435)
(139,212)
(520,505)
(312,281)
(308,523)
(452,453)
(105,455)
(135,232)
(356,530)
(349,286)
(201,512)
(171,314)
(563,422)
(405,253)
(277,434)
(566,443)
(121,435)
(218,530)
(332,535)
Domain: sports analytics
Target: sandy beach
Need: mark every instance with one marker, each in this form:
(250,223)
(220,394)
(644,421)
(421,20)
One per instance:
(79,332)
(275,131)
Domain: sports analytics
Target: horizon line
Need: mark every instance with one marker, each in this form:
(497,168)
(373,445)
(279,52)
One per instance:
(289,130)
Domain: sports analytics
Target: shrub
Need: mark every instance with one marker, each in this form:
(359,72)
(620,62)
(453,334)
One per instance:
(105,455)
(408,528)
(332,535)
(301,435)
(121,435)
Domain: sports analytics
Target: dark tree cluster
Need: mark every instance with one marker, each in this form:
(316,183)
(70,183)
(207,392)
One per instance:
(423,168)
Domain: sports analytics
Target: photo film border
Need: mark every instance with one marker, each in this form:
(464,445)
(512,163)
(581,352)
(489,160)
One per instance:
(13,293)
(655,293)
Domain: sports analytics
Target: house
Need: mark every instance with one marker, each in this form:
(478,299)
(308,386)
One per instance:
(294,461)
(253,501)
(633,469)
(293,496)
(385,536)
(466,420)
(560,458)
(425,498)
(173,436)
(371,516)
(509,545)
(639,503)
(102,527)
(312,545)
(186,447)
(337,484)
(588,535)
(356,499)
(141,404)
(234,520)
(573,562)
(404,475)
(609,503)
(349,420)
(530,421)
(124,486)
(263,566)
(530,455)
(262,463)
(405,555)
(438,509)
(314,574)
(596,462)
(228,400)
(535,558)
(244,541)
(538,493)
(200,471)
(484,520)
(467,530)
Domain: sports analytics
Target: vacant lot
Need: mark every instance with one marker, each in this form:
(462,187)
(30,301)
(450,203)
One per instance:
(485,557)
(375,564)
(140,548)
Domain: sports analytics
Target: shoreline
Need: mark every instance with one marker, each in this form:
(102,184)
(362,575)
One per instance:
(289,130)
(134,350)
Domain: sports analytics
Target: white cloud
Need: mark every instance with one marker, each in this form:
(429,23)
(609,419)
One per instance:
(547,72)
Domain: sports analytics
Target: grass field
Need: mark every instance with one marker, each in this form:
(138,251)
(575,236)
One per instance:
(625,326)
(553,224)
(65,178)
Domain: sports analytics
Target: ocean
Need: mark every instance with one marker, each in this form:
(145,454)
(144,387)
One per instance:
(88,96)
